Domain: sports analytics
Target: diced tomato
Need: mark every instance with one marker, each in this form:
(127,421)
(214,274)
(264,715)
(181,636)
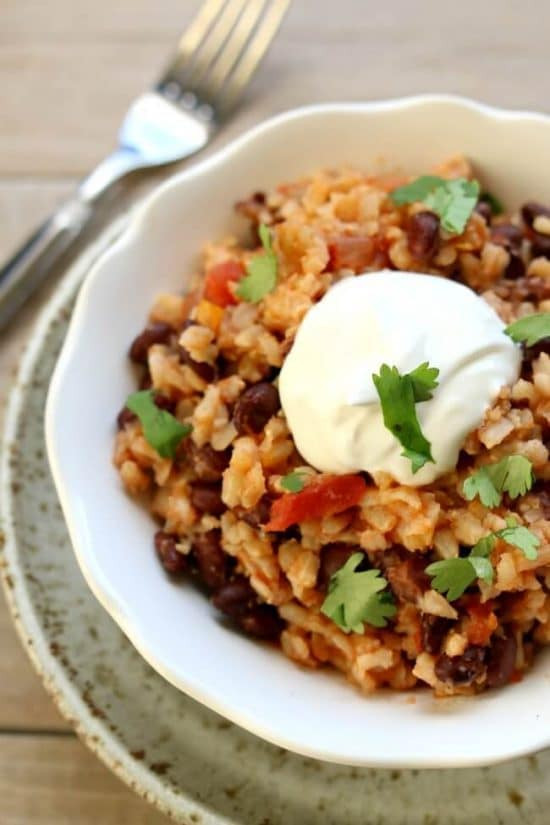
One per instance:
(218,278)
(351,253)
(481,621)
(325,496)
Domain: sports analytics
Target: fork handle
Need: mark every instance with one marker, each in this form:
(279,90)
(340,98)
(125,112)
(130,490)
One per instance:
(36,258)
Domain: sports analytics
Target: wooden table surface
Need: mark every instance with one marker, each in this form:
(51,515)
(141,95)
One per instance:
(68,69)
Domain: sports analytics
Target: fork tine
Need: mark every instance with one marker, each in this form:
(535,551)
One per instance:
(252,54)
(198,28)
(216,39)
(228,56)
(190,43)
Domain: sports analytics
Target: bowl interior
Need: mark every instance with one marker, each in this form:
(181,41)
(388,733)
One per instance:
(173,626)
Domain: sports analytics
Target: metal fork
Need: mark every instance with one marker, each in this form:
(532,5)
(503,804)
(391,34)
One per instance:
(216,57)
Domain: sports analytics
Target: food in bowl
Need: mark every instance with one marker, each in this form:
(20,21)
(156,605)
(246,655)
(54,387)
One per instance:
(342,425)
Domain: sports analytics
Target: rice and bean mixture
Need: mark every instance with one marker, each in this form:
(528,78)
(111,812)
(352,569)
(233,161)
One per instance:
(212,360)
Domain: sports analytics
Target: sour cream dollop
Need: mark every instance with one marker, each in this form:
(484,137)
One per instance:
(401,319)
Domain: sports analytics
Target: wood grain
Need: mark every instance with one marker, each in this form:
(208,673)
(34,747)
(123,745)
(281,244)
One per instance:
(67,72)
(56,780)
(72,74)
(24,703)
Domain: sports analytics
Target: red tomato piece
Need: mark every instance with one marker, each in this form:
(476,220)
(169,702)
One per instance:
(481,621)
(218,278)
(325,496)
(351,253)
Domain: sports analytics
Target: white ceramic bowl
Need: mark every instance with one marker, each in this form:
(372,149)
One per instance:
(173,626)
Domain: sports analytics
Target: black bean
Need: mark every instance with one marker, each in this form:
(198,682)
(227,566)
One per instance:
(252,207)
(124,417)
(262,621)
(383,559)
(225,367)
(515,269)
(156,333)
(423,235)
(333,557)
(537,349)
(146,381)
(259,514)
(209,464)
(540,245)
(164,403)
(408,578)
(204,370)
(171,559)
(543,494)
(212,563)
(532,210)
(461,670)
(255,407)
(501,661)
(507,235)
(206,496)
(236,598)
(434,629)
(483,208)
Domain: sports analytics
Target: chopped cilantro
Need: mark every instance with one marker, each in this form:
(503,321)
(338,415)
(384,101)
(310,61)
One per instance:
(398,396)
(530,329)
(453,576)
(424,380)
(453,200)
(512,474)
(519,536)
(261,276)
(417,190)
(161,429)
(357,597)
(293,482)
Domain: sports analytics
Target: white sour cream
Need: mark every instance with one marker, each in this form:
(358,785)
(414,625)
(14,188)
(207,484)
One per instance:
(401,319)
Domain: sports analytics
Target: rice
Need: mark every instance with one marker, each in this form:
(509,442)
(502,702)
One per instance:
(206,356)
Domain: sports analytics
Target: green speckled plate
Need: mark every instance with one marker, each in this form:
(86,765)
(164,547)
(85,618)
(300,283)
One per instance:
(186,760)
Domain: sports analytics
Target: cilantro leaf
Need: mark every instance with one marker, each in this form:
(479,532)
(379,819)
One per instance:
(483,568)
(417,190)
(356,597)
(293,482)
(515,534)
(261,276)
(480,484)
(484,547)
(496,206)
(453,200)
(519,536)
(424,380)
(379,609)
(397,398)
(161,429)
(530,329)
(452,577)
(454,203)
(512,474)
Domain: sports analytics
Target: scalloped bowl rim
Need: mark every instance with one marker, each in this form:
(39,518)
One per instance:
(378,755)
